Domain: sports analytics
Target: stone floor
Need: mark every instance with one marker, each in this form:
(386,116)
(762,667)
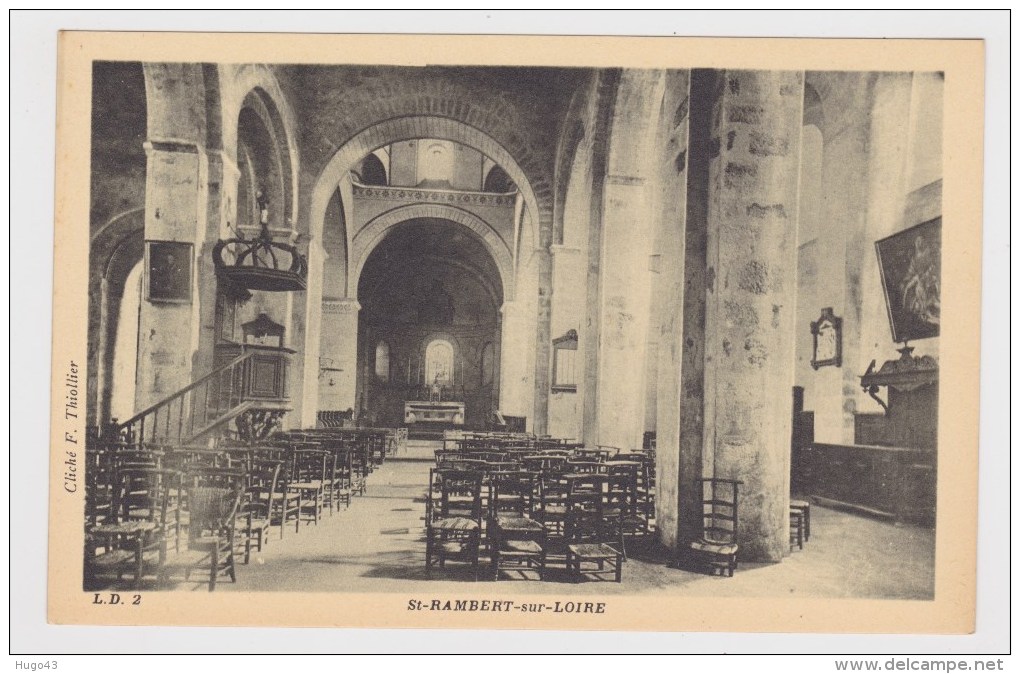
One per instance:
(377,545)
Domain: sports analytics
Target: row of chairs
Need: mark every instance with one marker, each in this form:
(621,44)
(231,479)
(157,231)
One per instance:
(150,511)
(379,443)
(637,467)
(715,550)
(574,519)
(151,508)
(521,516)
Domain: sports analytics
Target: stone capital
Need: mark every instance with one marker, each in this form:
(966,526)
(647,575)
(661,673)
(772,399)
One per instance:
(341,307)
(171,146)
(559,250)
(625,181)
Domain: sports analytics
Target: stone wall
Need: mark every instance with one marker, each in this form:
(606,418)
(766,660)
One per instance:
(871,167)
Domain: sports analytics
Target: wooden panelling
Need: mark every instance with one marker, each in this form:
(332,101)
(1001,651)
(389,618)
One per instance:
(887,481)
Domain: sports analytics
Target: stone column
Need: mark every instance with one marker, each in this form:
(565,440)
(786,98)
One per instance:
(338,349)
(669,293)
(513,372)
(751,284)
(175,210)
(626,280)
(222,180)
(567,314)
(543,339)
(306,336)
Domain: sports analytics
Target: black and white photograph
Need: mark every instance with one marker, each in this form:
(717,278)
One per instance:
(527,345)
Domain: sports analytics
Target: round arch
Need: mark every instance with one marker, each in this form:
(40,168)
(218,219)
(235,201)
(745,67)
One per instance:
(255,86)
(534,188)
(408,128)
(114,250)
(375,231)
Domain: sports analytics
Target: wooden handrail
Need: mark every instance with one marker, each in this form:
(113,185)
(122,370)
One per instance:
(187,389)
(184,426)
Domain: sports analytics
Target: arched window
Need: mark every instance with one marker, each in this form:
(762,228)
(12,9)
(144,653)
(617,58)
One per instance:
(261,168)
(439,362)
(372,171)
(382,361)
(498,181)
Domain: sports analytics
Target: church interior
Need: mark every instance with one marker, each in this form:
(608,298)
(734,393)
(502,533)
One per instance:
(354,328)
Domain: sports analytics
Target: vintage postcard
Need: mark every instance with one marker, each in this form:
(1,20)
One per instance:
(560,333)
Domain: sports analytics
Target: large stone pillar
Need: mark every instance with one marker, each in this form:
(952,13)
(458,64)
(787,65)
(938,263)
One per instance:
(667,306)
(543,337)
(676,479)
(626,280)
(175,211)
(338,352)
(308,335)
(628,230)
(751,285)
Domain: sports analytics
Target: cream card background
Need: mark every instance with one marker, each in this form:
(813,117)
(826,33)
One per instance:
(954,601)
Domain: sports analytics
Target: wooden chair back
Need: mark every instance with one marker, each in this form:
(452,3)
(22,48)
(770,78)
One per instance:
(459,494)
(512,492)
(719,509)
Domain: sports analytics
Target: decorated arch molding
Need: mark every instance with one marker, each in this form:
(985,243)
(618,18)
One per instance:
(409,128)
(372,234)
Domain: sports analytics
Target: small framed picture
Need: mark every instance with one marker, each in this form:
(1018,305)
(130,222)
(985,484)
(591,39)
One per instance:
(828,340)
(168,271)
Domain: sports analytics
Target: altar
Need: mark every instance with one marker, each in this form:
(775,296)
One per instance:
(436,412)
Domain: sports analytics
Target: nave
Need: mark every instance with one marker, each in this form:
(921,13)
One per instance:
(378,545)
(723,262)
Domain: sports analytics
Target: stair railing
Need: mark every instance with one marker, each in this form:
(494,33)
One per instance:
(190,411)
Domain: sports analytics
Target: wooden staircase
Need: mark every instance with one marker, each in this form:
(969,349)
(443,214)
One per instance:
(201,408)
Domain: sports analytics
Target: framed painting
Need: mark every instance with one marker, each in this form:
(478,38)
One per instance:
(168,271)
(910,265)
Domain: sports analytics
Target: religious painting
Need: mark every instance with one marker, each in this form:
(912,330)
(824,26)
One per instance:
(910,265)
(168,271)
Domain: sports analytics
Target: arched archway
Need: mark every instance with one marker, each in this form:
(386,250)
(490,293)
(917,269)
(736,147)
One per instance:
(430,289)
(117,197)
(116,251)
(256,88)
(375,232)
(535,214)
(408,128)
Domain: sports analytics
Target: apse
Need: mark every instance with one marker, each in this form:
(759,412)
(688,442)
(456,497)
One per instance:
(430,295)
